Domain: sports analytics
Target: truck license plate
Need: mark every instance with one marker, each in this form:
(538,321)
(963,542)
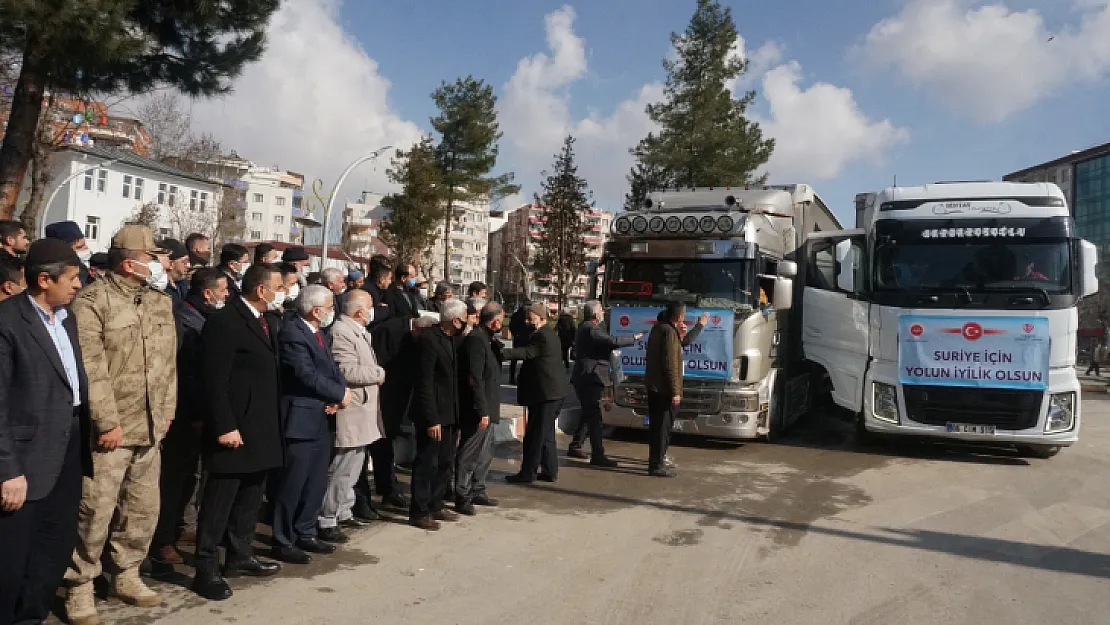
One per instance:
(967,428)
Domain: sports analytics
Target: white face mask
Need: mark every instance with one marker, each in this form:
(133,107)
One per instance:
(293,292)
(243,268)
(217,305)
(157,278)
(424,293)
(304,271)
(85,255)
(328,319)
(279,299)
(370,316)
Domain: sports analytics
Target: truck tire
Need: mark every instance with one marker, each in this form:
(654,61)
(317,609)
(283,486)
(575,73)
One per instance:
(1038,451)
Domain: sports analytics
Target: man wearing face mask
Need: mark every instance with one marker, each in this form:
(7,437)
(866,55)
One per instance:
(234,261)
(71,233)
(479,407)
(298,257)
(333,279)
(178,270)
(181,449)
(200,249)
(125,320)
(401,301)
(312,388)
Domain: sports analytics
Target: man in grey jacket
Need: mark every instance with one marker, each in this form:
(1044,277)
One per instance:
(592,347)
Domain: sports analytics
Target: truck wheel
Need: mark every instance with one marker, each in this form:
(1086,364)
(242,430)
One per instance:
(1038,451)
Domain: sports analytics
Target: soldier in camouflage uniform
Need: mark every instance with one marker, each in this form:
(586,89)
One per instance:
(125,325)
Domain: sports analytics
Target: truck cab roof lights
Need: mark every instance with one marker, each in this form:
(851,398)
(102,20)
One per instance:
(1045,201)
(656,224)
(639,224)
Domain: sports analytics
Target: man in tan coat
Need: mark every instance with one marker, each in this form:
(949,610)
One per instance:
(357,425)
(125,325)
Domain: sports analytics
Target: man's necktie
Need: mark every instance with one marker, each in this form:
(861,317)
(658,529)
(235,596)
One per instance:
(320,338)
(265,326)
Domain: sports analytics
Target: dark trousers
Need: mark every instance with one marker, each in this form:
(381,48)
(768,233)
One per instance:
(301,489)
(566,355)
(431,470)
(37,542)
(228,506)
(589,397)
(539,440)
(475,457)
(177,483)
(1094,366)
(380,456)
(661,414)
(512,371)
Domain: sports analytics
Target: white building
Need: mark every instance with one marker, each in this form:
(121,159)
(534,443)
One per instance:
(362,223)
(104,188)
(269,203)
(469,246)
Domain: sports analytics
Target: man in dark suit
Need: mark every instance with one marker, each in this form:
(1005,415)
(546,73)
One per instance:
(479,409)
(44,432)
(592,348)
(312,389)
(377,285)
(234,261)
(541,387)
(71,233)
(242,433)
(399,296)
(436,416)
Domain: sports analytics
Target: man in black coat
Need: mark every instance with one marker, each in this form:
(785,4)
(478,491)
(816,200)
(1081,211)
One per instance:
(542,387)
(564,327)
(44,433)
(436,416)
(521,332)
(312,389)
(234,262)
(399,297)
(377,285)
(592,348)
(242,431)
(181,447)
(479,409)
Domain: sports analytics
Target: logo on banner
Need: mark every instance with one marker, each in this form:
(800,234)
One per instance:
(625,321)
(716,320)
(917,329)
(1027,328)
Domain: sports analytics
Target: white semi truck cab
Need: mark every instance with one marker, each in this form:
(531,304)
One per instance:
(951,312)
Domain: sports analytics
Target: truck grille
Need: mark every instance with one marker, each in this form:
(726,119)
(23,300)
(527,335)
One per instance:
(1003,408)
(694,401)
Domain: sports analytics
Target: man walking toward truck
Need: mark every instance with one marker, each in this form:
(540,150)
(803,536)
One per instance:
(663,378)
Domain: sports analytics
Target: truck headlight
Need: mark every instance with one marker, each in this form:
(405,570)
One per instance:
(735,402)
(1061,413)
(884,402)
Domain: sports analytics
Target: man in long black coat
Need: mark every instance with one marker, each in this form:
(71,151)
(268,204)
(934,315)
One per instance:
(542,387)
(243,430)
(479,409)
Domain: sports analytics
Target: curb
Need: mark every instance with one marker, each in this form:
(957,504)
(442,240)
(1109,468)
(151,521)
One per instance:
(1094,389)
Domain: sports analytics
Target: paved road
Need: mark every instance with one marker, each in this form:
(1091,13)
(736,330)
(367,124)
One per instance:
(814,530)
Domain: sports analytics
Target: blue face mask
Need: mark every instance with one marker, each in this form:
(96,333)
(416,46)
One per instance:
(411,282)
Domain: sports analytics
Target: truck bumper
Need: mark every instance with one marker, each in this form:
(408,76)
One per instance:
(725,425)
(1061,380)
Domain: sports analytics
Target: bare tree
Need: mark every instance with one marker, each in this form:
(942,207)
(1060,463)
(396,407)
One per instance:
(146,215)
(231,217)
(169,124)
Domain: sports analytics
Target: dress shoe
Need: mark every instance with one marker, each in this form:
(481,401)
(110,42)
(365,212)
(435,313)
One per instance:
(211,587)
(663,472)
(484,500)
(577,453)
(543,477)
(363,511)
(396,500)
(188,538)
(426,523)
(604,462)
(252,567)
(354,523)
(315,545)
(465,507)
(445,515)
(332,535)
(518,478)
(292,555)
(166,554)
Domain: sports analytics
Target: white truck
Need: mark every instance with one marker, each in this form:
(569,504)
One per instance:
(951,312)
(725,251)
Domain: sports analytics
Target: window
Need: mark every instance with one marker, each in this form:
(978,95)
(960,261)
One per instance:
(821,273)
(173,196)
(280,201)
(278,237)
(255,234)
(258,197)
(102,180)
(193,200)
(92,228)
(256,216)
(138,188)
(161,193)
(88,179)
(164,232)
(470,232)
(127,186)
(279,219)
(204,201)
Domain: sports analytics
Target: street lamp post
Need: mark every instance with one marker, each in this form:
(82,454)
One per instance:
(41,217)
(331,200)
(523,276)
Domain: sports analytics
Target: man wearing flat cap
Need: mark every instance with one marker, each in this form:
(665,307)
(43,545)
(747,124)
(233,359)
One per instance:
(179,270)
(125,326)
(297,256)
(72,234)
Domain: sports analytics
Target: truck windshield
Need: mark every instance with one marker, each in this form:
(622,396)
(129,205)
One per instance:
(978,266)
(699,283)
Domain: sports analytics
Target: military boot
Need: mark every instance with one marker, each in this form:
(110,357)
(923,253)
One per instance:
(81,605)
(130,589)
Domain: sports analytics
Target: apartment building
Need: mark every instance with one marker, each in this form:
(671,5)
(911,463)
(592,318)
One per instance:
(467,246)
(362,222)
(269,203)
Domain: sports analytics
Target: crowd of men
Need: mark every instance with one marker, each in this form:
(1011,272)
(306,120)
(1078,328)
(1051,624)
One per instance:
(149,398)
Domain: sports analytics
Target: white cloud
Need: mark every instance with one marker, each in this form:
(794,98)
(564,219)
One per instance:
(819,130)
(989,62)
(313,103)
(760,61)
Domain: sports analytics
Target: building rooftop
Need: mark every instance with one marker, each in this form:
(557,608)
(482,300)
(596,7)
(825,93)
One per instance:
(130,158)
(1074,157)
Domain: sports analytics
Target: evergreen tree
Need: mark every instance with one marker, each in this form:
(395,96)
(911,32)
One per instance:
(704,137)
(416,211)
(642,180)
(117,45)
(561,245)
(467,150)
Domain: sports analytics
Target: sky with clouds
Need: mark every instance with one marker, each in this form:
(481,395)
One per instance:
(854,93)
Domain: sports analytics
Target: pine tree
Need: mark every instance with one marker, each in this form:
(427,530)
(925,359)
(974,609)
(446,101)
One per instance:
(416,211)
(561,245)
(704,137)
(642,180)
(111,46)
(467,150)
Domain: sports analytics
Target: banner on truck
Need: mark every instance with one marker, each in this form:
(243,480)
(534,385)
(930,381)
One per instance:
(709,357)
(984,352)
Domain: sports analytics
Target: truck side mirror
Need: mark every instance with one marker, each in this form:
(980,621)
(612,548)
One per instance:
(787,269)
(846,261)
(1088,253)
(783,297)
